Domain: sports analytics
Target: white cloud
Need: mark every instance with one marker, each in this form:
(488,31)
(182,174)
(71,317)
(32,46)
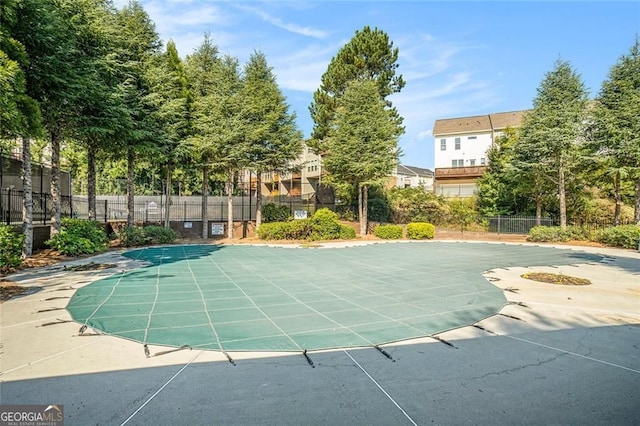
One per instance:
(424,134)
(291,27)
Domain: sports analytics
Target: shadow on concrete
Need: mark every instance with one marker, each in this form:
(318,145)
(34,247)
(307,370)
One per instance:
(578,376)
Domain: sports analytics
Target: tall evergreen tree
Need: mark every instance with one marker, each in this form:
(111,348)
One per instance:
(552,131)
(205,73)
(137,43)
(173,102)
(217,131)
(498,192)
(19,113)
(271,137)
(363,145)
(368,55)
(615,127)
(48,29)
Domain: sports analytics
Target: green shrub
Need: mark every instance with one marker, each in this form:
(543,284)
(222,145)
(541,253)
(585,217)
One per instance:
(79,236)
(324,225)
(420,231)
(10,248)
(348,215)
(274,213)
(133,236)
(557,233)
(347,232)
(388,232)
(625,236)
(160,234)
(378,210)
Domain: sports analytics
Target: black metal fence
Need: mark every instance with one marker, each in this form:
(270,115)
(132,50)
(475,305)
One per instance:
(11,201)
(514,224)
(186,209)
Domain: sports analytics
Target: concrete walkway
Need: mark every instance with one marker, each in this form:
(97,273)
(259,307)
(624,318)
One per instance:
(557,355)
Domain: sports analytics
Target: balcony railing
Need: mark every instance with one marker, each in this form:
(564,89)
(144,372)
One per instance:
(460,172)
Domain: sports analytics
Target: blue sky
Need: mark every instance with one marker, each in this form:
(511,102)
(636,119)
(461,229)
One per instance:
(458,58)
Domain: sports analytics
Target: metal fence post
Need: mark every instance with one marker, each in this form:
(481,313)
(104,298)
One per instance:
(9,207)
(106,211)
(44,210)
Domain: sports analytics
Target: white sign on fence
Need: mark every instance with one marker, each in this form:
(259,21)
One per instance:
(300,214)
(217,229)
(188,225)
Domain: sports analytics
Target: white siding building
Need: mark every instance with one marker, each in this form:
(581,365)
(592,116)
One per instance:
(461,146)
(411,177)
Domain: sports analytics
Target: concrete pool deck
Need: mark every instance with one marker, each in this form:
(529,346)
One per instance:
(557,354)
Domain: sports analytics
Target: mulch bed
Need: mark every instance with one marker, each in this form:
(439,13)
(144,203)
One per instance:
(559,279)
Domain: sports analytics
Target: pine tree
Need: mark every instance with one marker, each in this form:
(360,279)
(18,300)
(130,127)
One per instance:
(363,145)
(615,127)
(272,140)
(368,55)
(552,131)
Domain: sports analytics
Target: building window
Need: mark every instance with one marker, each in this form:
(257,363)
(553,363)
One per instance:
(457,143)
(472,162)
(443,144)
(483,161)
(472,137)
(454,163)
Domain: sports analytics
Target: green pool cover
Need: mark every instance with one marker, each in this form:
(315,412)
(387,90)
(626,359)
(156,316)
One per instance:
(261,298)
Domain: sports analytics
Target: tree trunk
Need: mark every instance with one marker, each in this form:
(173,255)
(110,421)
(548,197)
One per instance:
(205,201)
(363,202)
(636,213)
(258,198)
(538,211)
(230,205)
(91,182)
(131,174)
(562,196)
(27,200)
(55,183)
(167,208)
(618,198)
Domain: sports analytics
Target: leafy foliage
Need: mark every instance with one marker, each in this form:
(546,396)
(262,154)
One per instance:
(132,236)
(420,231)
(388,232)
(547,151)
(625,236)
(368,55)
(615,128)
(379,210)
(160,234)
(557,234)
(462,212)
(347,232)
(323,225)
(79,236)
(10,248)
(417,205)
(275,213)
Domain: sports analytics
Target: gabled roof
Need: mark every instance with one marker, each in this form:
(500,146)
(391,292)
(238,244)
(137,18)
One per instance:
(478,123)
(410,170)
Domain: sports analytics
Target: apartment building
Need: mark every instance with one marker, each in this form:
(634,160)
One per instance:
(461,146)
(305,181)
(411,177)
(301,183)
